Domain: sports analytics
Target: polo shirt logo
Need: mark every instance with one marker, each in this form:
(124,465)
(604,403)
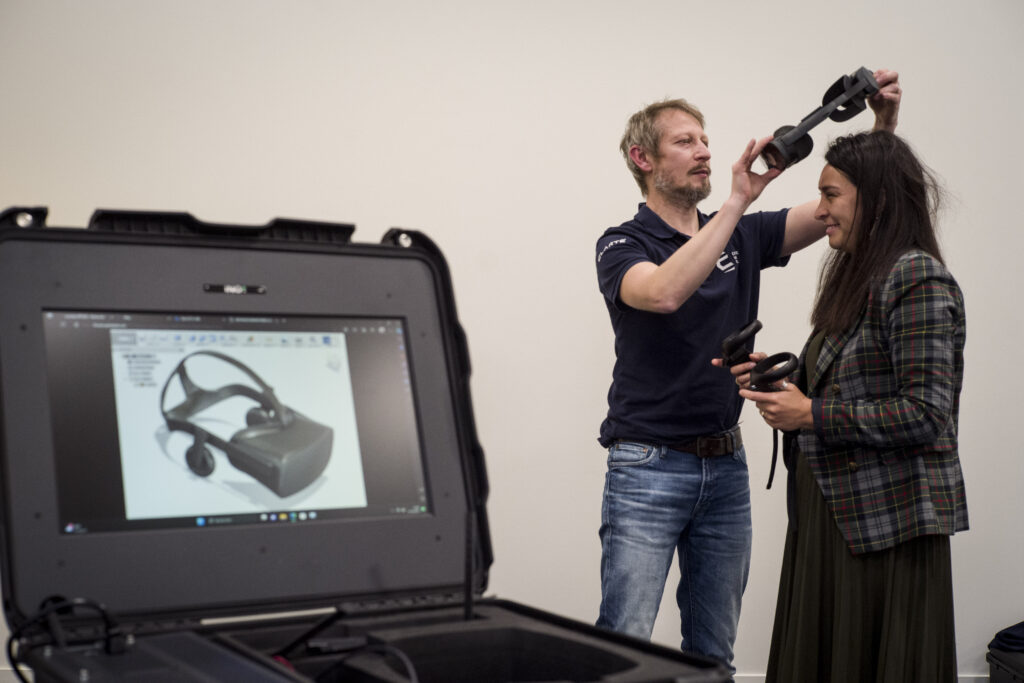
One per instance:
(728,260)
(609,246)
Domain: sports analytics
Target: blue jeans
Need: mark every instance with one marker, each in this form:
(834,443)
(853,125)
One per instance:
(658,501)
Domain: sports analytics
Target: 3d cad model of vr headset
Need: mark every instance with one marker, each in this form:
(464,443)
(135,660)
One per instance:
(279,447)
(844,100)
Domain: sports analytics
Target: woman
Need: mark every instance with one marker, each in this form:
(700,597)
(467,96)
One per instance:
(875,486)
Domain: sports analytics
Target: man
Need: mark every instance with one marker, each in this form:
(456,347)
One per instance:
(676,282)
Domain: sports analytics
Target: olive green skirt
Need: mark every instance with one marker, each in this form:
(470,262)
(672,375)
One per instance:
(883,617)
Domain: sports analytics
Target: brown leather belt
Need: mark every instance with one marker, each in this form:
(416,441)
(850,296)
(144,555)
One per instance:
(711,446)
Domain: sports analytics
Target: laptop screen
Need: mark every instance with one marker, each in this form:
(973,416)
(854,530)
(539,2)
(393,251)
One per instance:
(206,420)
(295,440)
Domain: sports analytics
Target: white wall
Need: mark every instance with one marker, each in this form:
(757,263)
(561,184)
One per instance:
(494,127)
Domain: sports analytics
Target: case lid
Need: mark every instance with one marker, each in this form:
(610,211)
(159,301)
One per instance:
(206,420)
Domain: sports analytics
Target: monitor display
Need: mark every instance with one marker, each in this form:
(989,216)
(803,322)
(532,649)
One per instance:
(206,420)
(238,426)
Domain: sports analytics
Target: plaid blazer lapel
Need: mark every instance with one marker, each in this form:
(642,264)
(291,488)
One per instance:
(830,349)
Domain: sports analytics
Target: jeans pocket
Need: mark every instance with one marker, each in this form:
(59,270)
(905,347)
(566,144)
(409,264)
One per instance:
(631,453)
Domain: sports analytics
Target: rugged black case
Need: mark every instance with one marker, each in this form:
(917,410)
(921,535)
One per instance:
(443,633)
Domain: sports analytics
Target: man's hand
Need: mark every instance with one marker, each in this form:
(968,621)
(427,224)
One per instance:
(664,288)
(747,185)
(741,371)
(886,102)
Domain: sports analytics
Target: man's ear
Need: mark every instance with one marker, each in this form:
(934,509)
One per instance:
(639,156)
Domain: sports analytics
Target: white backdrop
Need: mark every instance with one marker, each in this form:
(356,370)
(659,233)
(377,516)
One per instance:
(493,127)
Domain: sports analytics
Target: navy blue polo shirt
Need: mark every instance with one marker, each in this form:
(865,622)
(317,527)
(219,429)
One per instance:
(664,388)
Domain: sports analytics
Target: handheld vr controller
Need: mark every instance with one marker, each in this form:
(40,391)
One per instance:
(842,101)
(770,370)
(764,374)
(736,349)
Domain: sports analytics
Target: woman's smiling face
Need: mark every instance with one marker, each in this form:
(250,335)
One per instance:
(838,209)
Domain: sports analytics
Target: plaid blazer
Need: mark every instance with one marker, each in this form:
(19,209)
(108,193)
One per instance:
(885,401)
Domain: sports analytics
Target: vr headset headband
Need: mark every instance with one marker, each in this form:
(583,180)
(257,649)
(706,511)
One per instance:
(844,100)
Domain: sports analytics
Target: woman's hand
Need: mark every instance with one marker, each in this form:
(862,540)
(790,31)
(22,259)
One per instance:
(787,409)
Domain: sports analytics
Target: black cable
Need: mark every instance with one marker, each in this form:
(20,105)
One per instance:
(13,661)
(775,456)
(309,633)
(111,629)
(376,648)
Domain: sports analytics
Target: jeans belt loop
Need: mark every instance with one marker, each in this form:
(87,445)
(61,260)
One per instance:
(732,439)
(735,439)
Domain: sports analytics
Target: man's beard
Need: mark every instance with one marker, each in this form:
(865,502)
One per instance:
(686,196)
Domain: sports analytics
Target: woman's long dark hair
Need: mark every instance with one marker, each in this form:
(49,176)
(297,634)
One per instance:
(897,201)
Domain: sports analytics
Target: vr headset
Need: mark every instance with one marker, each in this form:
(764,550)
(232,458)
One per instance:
(844,100)
(279,447)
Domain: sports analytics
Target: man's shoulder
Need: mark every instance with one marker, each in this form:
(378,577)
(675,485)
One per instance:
(623,237)
(632,231)
(645,226)
(627,229)
(635,224)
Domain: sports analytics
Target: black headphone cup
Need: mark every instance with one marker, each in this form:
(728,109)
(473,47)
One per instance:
(802,148)
(847,111)
(200,460)
(775,153)
(862,83)
(257,416)
(773,156)
(788,146)
(841,85)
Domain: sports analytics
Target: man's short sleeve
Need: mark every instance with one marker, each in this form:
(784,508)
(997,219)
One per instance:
(616,253)
(770,228)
